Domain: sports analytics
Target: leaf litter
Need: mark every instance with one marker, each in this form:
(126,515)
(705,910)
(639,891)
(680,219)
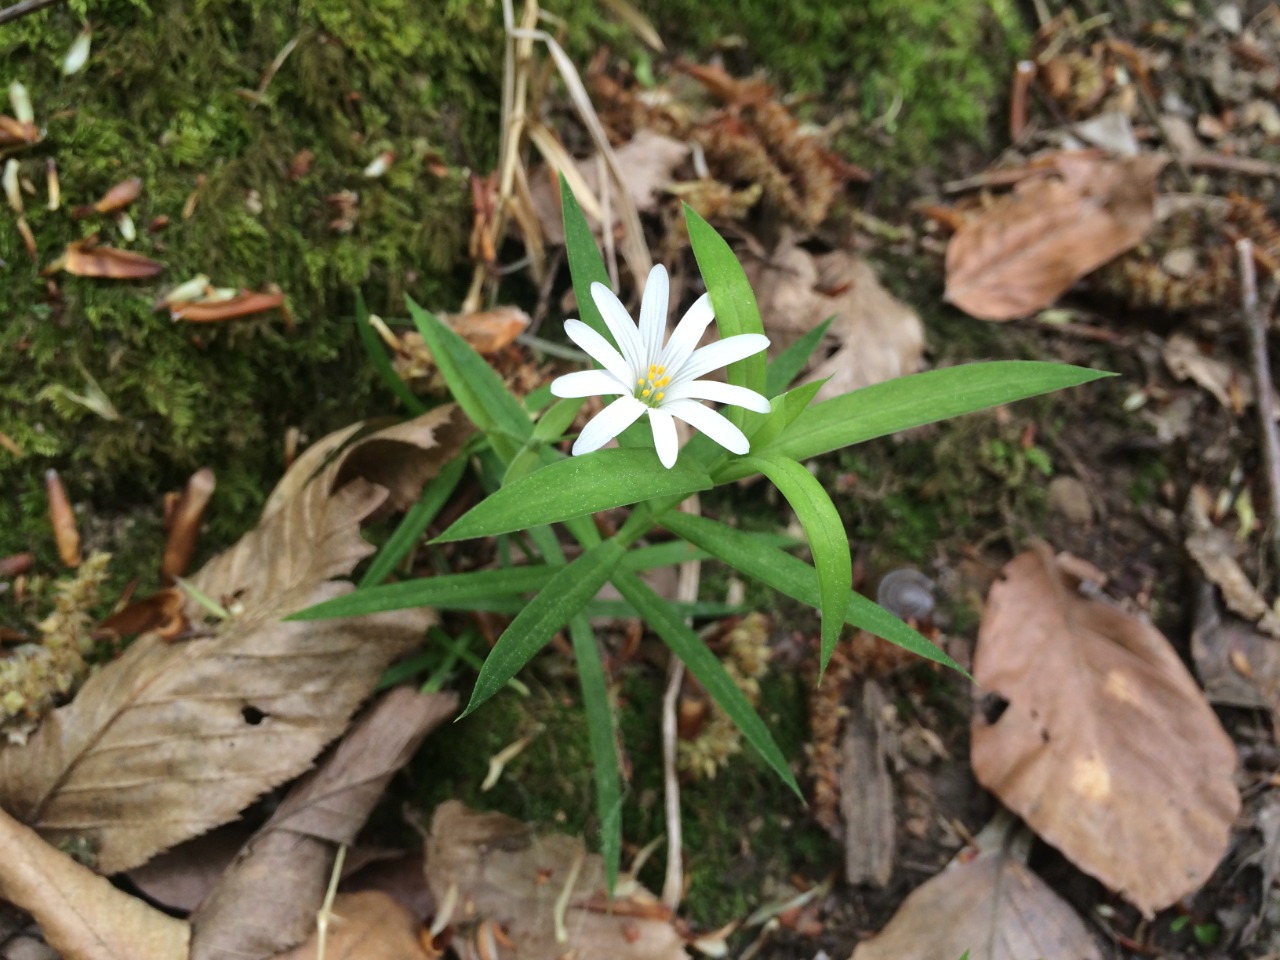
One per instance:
(245,704)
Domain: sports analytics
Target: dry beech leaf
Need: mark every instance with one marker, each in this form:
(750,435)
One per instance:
(365,926)
(488,331)
(81,914)
(993,907)
(876,336)
(267,900)
(173,739)
(1094,732)
(1185,360)
(1029,247)
(501,871)
(82,260)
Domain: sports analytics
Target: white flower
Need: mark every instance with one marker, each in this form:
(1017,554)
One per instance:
(648,377)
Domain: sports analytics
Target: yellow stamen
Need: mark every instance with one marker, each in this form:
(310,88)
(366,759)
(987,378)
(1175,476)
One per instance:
(640,381)
(646,392)
(659,396)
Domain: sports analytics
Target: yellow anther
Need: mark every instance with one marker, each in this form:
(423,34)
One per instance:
(640,382)
(647,391)
(659,396)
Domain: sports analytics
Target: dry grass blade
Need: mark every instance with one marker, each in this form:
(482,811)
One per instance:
(173,739)
(638,23)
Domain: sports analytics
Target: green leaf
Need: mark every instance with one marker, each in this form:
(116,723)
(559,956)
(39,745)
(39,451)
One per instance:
(603,742)
(420,515)
(377,353)
(708,670)
(827,541)
(910,401)
(795,578)
(585,263)
(733,300)
(564,595)
(788,364)
(444,592)
(475,385)
(576,487)
(783,412)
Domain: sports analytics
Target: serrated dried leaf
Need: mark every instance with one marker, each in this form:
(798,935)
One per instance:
(1028,248)
(171,740)
(81,914)
(82,260)
(1093,731)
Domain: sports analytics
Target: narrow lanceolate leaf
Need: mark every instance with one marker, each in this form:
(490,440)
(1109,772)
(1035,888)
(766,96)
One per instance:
(585,263)
(450,591)
(732,297)
(377,354)
(577,487)
(827,541)
(561,599)
(707,668)
(474,384)
(784,409)
(894,405)
(774,567)
(788,364)
(603,741)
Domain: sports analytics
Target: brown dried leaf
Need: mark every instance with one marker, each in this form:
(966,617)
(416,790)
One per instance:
(267,901)
(120,196)
(991,907)
(365,926)
(876,337)
(1094,732)
(1238,665)
(488,331)
(243,304)
(243,706)
(80,913)
(501,871)
(1028,248)
(1214,553)
(1220,377)
(82,260)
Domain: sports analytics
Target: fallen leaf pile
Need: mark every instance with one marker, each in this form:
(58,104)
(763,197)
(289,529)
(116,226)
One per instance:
(244,704)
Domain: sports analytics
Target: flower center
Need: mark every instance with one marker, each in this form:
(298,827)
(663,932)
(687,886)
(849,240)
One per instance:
(651,389)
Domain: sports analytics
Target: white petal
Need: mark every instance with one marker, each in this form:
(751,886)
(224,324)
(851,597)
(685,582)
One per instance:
(687,334)
(712,390)
(600,350)
(653,312)
(589,383)
(722,353)
(664,436)
(608,423)
(620,325)
(709,422)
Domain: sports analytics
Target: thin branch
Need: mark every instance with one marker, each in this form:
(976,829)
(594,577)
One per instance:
(22,9)
(1255,318)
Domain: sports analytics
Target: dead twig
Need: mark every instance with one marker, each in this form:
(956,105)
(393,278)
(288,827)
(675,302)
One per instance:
(1255,319)
(9,14)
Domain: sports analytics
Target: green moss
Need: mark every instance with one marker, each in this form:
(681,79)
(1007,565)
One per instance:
(929,71)
(163,98)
